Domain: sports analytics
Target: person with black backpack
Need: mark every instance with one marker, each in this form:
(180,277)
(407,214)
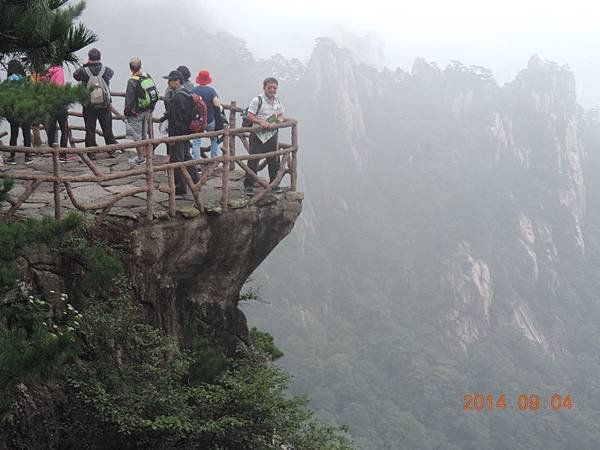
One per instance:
(180,115)
(141,96)
(97,76)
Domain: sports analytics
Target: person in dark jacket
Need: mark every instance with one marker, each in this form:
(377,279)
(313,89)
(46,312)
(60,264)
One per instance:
(93,114)
(185,72)
(180,115)
(16,72)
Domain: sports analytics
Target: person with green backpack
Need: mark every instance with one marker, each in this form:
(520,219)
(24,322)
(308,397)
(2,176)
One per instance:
(141,96)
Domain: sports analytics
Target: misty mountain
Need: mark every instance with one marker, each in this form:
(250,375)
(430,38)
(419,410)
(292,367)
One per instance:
(448,243)
(447,247)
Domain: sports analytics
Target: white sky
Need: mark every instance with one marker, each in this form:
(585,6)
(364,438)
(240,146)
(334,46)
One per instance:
(500,34)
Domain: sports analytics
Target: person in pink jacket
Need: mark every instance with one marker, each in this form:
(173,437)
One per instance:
(56,75)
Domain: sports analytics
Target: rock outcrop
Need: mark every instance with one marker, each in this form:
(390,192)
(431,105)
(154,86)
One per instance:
(191,271)
(187,271)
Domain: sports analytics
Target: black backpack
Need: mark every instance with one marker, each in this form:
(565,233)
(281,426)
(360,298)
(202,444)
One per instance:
(245,121)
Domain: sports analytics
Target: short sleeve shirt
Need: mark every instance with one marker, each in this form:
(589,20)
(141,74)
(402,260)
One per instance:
(266,109)
(207,93)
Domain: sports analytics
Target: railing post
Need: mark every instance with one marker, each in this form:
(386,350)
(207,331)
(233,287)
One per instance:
(56,183)
(294,174)
(149,153)
(149,182)
(225,174)
(232,124)
(171,181)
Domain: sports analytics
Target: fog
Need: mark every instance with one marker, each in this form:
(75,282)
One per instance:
(500,36)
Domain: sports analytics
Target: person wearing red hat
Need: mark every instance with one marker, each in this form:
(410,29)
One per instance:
(210,97)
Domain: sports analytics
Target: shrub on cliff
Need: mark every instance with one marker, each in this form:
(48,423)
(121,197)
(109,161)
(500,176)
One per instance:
(135,387)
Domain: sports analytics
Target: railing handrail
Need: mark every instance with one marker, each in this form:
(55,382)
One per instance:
(229,159)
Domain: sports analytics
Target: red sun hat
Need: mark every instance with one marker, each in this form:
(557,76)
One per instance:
(203,78)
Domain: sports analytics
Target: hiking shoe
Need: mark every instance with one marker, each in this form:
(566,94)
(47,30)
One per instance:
(63,158)
(28,159)
(137,160)
(112,154)
(277,190)
(249,191)
(92,156)
(11,160)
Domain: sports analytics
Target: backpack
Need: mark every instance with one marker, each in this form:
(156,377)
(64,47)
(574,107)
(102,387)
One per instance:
(100,95)
(199,115)
(220,118)
(147,92)
(245,121)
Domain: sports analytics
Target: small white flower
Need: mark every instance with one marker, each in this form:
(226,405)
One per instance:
(52,292)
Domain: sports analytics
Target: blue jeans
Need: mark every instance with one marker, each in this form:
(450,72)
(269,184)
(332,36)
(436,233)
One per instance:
(214,145)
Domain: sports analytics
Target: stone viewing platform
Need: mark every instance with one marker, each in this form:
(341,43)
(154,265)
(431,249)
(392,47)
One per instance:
(107,185)
(41,202)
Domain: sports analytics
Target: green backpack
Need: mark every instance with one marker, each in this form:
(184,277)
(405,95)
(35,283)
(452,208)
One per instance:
(148,94)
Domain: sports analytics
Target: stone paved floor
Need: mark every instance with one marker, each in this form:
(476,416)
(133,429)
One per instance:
(42,200)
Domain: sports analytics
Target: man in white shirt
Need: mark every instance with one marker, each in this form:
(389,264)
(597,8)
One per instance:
(264,111)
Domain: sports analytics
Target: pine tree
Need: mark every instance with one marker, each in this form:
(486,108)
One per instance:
(42,32)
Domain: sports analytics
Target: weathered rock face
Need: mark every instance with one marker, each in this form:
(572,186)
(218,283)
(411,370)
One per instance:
(189,272)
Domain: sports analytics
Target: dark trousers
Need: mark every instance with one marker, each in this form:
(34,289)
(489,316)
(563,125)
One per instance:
(180,151)
(104,117)
(256,146)
(59,118)
(14,134)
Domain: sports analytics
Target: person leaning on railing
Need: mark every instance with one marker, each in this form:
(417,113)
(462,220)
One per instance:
(264,111)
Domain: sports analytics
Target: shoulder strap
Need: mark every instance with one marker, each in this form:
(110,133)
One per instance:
(101,73)
(88,72)
(260,101)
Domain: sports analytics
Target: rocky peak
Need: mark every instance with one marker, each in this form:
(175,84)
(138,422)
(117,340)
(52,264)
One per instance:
(333,91)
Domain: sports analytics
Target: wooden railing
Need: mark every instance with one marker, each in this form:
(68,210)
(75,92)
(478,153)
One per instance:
(229,159)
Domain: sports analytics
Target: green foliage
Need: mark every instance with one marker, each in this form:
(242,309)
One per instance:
(101,268)
(263,342)
(42,32)
(16,236)
(36,338)
(37,102)
(136,386)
